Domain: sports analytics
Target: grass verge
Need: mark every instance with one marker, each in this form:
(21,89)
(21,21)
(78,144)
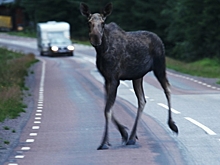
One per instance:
(13,69)
(209,68)
(26,33)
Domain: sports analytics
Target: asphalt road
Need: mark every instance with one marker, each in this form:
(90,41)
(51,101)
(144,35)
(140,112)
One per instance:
(67,123)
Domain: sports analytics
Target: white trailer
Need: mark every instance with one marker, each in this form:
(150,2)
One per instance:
(54,38)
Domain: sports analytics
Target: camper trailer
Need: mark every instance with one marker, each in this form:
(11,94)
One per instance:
(53,38)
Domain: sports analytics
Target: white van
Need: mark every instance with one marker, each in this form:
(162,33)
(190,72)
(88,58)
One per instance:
(53,38)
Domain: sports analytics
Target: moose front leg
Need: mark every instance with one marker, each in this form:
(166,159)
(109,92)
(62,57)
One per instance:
(111,91)
(138,88)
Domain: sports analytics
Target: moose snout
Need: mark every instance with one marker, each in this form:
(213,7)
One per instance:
(95,39)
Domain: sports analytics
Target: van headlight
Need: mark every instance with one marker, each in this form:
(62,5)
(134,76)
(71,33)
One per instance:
(70,47)
(54,48)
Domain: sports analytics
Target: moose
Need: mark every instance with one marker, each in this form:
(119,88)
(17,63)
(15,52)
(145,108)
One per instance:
(125,56)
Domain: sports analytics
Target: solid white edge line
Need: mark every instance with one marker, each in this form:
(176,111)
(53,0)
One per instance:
(166,107)
(132,90)
(124,83)
(206,129)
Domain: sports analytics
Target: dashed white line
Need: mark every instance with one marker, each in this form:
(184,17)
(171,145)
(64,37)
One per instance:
(33,134)
(38,114)
(196,81)
(166,107)
(19,156)
(37,118)
(35,127)
(206,129)
(25,148)
(29,140)
(146,97)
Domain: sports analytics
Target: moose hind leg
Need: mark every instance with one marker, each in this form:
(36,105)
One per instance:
(122,129)
(138,88)
(165,85)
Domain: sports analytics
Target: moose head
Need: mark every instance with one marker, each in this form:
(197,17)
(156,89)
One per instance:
(96,22)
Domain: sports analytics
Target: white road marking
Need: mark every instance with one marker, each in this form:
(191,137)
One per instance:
(19,156)
(25,148)
(38,110)
(39,107)
(37,118)
(37,122)
(166,107)
(191,79)
(35,127)
(206,129)
(33,134)
(12,164)
(132,90)
(29,140)
(124,83)
(38,114)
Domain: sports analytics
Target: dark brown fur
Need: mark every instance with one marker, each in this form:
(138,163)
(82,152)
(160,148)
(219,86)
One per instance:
(126,56)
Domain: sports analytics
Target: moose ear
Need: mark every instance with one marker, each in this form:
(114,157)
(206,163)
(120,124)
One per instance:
(106,11)
(84,9)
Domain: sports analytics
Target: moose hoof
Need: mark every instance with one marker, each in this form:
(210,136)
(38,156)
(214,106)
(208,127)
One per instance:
(103,147)
(131,142)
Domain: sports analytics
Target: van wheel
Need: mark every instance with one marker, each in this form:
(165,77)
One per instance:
(42,53)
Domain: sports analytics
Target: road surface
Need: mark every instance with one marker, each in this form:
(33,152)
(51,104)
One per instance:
(67,123)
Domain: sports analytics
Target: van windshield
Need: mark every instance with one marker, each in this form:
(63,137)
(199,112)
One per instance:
(52,35)
(60,41)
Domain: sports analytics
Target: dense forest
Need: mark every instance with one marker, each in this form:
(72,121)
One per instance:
(190,29)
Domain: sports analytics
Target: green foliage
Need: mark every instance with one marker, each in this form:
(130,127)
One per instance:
(204,68)
(13,69)
(193,30)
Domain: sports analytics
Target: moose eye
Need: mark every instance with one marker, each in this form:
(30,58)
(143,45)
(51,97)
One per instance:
(89,23)
(102,24)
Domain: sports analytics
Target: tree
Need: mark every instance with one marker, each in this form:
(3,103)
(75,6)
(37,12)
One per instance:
(193,30)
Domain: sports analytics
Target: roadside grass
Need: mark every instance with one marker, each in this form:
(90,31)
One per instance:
(13,69)
(209,68)
(25,33)
(83,42)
